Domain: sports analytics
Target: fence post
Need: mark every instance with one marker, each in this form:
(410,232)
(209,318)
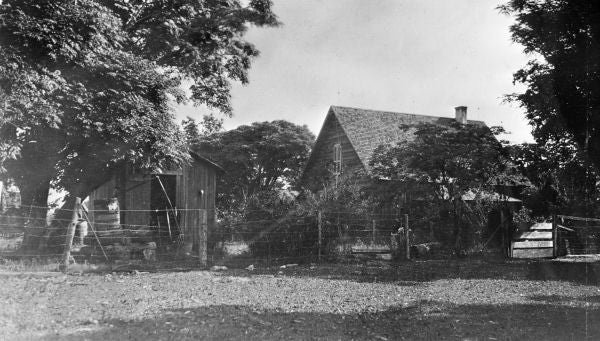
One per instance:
(320,241)
(554,237)
(374,233)
(406,236)
(203,237)
(71,234)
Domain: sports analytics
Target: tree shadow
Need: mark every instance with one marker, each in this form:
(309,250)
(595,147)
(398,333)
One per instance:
(565,299)
(414,272)
(587,273)
(432,270)
(424,320)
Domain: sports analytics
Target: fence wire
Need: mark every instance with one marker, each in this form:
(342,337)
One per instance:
(105,236)
(577,235)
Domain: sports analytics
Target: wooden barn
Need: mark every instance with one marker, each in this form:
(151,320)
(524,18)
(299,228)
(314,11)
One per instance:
(167,208)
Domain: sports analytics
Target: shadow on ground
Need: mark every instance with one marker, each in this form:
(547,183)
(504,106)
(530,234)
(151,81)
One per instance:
(413,272)
(424,320)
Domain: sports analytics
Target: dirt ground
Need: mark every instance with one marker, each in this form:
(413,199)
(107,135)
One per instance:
(427,300)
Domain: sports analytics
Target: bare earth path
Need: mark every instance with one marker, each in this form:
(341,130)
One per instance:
(432,300)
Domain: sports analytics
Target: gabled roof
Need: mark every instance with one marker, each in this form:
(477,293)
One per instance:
(367,129)
(198,156)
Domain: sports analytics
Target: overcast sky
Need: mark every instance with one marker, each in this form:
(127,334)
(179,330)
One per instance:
(413,56)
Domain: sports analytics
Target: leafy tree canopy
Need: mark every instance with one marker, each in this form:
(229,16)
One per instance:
(562,100)
(564,181)
(451,159)
(194,131)
(442,165)
(261,157)
(86,85)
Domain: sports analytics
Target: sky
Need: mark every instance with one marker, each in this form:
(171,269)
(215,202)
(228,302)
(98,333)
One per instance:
(412,56)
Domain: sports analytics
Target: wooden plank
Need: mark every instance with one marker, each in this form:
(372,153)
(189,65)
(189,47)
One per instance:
(532,253)
(554,236)
(535,235)
(541,226)
(532,244)
(202,247)
(137,198)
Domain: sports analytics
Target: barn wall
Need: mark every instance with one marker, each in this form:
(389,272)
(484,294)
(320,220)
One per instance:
(190,181)
(136,197)
(197,177)
(107,190)
(316,172)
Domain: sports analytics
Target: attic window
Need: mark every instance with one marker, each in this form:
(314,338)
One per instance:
(337,158)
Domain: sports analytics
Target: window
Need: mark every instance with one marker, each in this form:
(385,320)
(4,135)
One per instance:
(337,158)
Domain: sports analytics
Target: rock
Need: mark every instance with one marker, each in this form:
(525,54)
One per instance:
(384,256)
(218,268)
(425,249)
(149,254)
(288,266)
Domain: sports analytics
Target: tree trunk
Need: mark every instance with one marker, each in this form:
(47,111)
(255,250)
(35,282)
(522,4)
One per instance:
(34,201)
(63,215)
(457,229)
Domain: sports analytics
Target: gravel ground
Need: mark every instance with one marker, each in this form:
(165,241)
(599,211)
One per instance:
(431,300)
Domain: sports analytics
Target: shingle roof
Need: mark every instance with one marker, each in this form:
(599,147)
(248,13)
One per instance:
(367,129)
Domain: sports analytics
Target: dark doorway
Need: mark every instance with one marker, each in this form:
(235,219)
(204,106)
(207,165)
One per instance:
(163,203)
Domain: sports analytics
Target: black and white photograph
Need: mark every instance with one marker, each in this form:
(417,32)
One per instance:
(299,170)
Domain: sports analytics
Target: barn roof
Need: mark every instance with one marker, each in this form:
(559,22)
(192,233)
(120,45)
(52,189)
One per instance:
(208,161)
(367,129)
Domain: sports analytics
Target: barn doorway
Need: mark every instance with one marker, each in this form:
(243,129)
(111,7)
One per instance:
(163,203)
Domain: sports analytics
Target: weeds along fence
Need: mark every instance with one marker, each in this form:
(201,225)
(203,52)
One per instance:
(112,235)
(577,235)
(306,237)
(81,234)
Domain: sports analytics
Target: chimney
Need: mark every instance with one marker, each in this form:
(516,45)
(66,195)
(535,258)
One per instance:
(461,114)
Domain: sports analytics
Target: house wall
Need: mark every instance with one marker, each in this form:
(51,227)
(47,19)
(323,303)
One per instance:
(318,170)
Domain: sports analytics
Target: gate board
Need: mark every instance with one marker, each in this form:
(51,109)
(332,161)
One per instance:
(532,244)
(535,235)
(532,253)
(541,226)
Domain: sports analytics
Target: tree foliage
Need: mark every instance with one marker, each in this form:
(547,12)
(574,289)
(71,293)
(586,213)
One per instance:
(195,131)
(87,85)
(442,165)
(562,100)
(564,181)
(261,157)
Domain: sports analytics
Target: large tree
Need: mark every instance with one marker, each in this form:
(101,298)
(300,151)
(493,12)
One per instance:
(87,85)
(562,100)
(442,165)
(259,158)
(564,181)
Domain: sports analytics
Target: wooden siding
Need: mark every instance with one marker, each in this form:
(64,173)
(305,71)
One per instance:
(317,171)
(107,190)
(136,197)
(195,189)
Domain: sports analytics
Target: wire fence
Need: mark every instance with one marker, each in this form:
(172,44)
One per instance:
(102,235)
(149,235)
(309,237)
(577,235)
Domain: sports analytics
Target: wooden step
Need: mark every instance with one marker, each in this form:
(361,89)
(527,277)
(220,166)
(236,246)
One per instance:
(534,235)
(541,227)
(532,253)
(532,244)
